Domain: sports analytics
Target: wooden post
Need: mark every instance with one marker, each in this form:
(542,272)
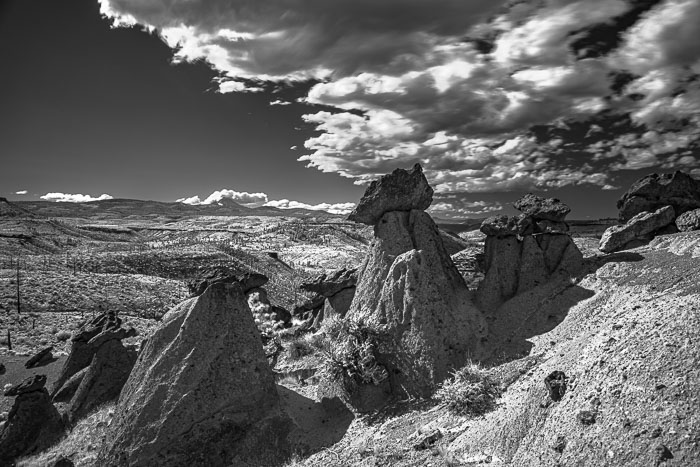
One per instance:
(19,307)
(9,340)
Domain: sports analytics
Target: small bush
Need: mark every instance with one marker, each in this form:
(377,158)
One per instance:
(63,335)
(299,348)
(470,391)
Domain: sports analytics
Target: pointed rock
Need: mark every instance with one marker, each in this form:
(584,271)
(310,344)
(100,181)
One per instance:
(201,392)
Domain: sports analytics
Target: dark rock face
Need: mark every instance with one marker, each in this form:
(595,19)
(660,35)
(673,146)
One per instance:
(222,275)
(33,423)
(103,380)
(330,284)
(81,352)
(689,221)
(525,251)
(654,191)
(638,230)
(401,190)
(41,358)
(548,209)
(201,392)
(409,288)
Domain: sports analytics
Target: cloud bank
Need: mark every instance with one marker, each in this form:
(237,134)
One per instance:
(74,198)
(261,199)
(490,96)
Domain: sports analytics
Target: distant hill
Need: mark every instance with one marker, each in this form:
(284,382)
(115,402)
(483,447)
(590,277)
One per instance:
(122,208)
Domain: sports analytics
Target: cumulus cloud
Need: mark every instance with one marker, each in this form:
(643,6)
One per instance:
(241,197)
(21,192)
(74,198)
(338,208)
(489,96)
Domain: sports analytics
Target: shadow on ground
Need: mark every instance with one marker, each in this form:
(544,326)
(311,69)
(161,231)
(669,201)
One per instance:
(318,425)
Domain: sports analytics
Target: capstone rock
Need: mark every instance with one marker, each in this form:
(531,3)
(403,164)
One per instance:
(648,194)
(401,190)
(549,209)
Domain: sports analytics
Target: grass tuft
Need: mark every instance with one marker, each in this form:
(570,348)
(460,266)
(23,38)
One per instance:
(470,391)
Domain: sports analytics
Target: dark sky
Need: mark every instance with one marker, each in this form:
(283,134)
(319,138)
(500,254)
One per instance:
(89,109)
(574,99)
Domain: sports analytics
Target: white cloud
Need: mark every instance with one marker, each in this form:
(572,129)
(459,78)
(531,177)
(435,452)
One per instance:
(409,85)
(21,192)
(338,208)
(241,197)
(73,198)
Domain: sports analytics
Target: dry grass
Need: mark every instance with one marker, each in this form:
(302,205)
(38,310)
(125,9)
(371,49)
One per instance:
(80,445)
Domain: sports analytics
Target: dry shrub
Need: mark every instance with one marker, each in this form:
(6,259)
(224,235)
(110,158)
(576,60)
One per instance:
(470,391)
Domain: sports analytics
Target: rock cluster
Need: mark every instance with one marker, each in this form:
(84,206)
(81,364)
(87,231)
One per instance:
(648,194)
(97,366)
(337,290)
(33,423)
(409,290)
(654,205)
(524,251)
(201,392)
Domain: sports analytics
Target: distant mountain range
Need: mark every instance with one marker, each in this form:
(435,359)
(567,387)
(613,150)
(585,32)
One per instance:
(122,208)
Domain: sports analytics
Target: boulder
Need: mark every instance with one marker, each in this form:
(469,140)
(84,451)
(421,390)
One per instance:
(42,357)
(201,392)
(507,226)
(641,228)
(648,194)
(81,352)
(409,289)
(224,275)
(401,190)
(515,265)
(548,209)
(688,221)
(33,423)
(330,284)
(103,379)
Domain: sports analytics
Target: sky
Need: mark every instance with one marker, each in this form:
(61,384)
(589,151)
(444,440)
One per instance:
(300,103)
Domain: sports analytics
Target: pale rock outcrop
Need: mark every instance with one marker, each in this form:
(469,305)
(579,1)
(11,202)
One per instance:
(641,228)
(410,291)
(688,221)
(401,190)
(201,392)
(33,423)
(525,251)
(648,194)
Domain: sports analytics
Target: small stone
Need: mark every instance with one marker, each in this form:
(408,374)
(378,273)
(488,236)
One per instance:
(662,453)
(586,417)
(428,441)
(656,432)
(556,385)
(560,444)
(43,357)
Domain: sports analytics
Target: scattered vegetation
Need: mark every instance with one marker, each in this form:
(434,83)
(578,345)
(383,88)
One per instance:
(470,391)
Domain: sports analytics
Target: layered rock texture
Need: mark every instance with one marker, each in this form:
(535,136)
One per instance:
(637,231)
(201,392)
(525,251)
(337,289)
(654,205)
(409,290)
(33,423)
(97,366)
(679,190)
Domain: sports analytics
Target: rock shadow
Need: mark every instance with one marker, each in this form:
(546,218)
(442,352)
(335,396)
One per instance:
(318,424)
(539,310)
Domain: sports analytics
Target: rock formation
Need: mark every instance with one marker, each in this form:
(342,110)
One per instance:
(525,251)
(688,221)
(201,392)
(33,423)
(97,366)
(654,191)
(42,357)
(103,379)
(402,190)
(337,289)
(409,290)
(637,231)
(224,275)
